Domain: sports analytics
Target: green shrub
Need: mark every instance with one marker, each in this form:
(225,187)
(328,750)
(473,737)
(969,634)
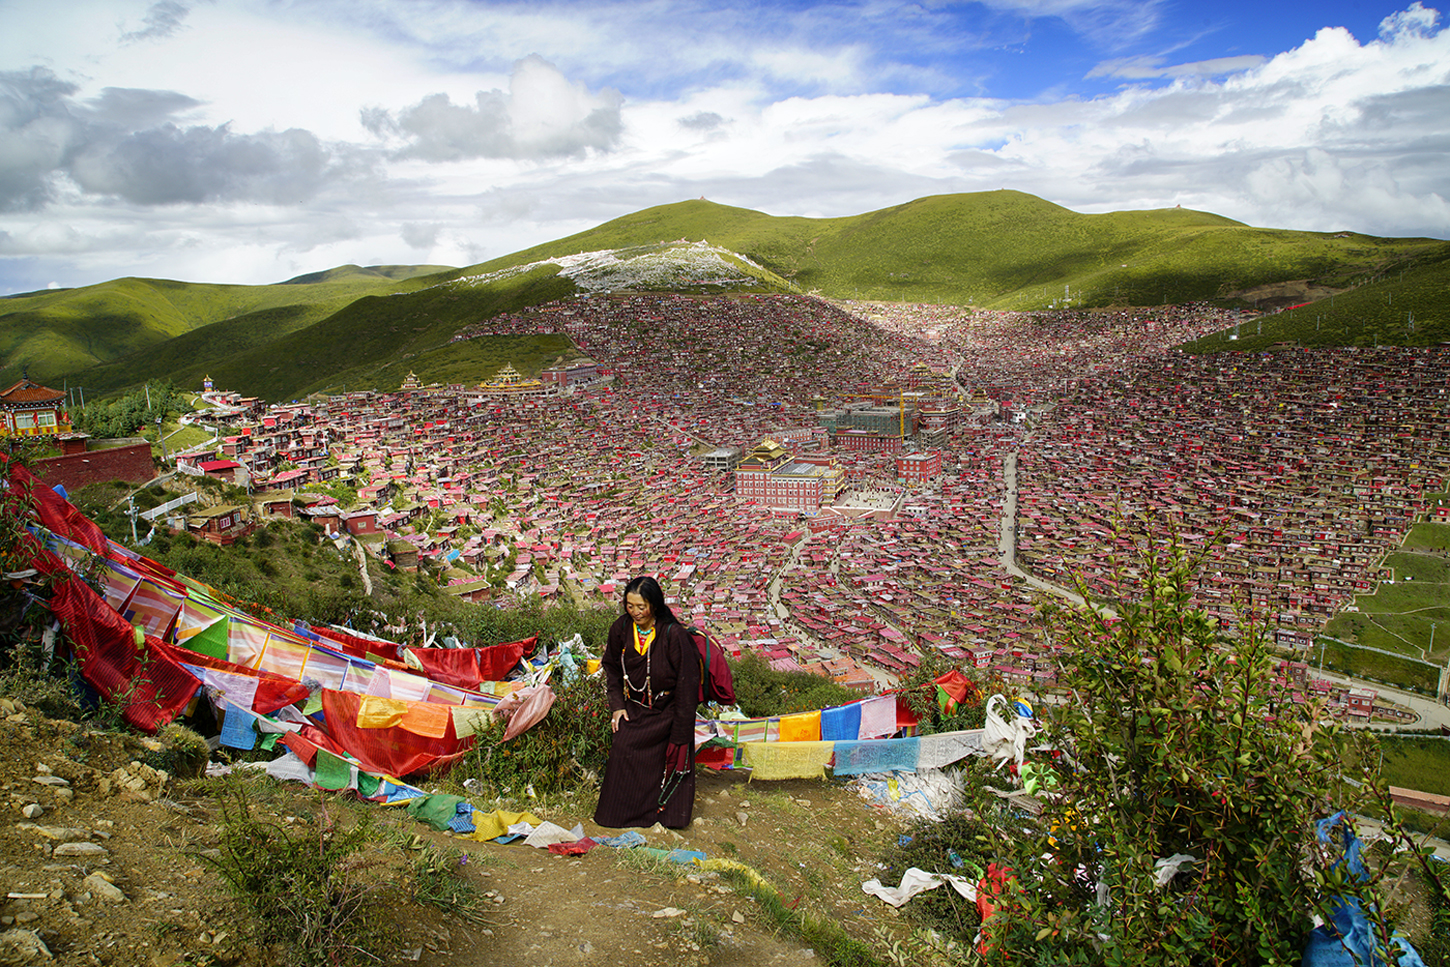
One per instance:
(920,692)
(437,880)
(961,844)
(301,886)
(762,691)
(1174,740)
(563,752)
(183,753)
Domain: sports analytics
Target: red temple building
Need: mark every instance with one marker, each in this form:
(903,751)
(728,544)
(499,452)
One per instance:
(30,409)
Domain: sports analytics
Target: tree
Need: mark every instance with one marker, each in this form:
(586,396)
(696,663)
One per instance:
(1175,741)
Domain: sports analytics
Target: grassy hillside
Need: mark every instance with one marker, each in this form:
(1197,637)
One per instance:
(1405,302)
(373,341)
(61,332)
(1002,249)
(1005,249)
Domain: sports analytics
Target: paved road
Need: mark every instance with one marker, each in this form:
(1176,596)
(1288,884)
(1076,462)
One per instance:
(1007,544)
(1432,714)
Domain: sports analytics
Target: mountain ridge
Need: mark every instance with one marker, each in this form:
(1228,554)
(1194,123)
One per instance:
(1003,250)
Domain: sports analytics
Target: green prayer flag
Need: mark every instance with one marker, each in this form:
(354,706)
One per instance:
(437,810)
(332,772)
(367,784)
(211,640)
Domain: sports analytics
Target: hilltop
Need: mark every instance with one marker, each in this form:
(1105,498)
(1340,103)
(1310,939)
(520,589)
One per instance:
(1002,250)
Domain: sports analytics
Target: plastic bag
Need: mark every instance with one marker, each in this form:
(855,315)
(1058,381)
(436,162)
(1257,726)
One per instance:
(524,708)
(1347,940)
(1005,738)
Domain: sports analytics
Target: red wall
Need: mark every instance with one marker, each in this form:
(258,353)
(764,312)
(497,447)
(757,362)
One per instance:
(131,463)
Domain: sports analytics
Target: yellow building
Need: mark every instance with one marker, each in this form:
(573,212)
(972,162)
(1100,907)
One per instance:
(509,382)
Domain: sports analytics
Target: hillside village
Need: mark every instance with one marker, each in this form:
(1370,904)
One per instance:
(1308,464)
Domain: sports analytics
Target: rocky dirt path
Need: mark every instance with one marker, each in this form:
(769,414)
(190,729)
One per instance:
(103,861)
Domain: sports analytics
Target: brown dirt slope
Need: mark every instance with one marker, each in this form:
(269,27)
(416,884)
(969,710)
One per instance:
(102,860)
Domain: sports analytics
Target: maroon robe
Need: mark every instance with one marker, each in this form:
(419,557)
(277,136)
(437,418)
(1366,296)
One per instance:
(661,709)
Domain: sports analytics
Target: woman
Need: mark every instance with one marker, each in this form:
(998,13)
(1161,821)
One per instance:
(652,674)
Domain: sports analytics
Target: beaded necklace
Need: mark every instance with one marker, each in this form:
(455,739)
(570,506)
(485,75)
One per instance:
(645,692)
(643,638)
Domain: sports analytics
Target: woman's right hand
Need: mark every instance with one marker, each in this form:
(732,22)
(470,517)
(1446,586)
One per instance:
(614,720)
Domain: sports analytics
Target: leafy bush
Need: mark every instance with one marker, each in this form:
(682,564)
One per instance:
(960,843)
(563,752)
(437,880)
(761,690)
(301,886)
(919,689)
(1174,741)
(122,416)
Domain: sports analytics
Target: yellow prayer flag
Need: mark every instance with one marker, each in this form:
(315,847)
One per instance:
(802,727)
(374,712)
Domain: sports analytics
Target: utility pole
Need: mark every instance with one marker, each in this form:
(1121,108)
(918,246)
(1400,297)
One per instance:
(1444,675)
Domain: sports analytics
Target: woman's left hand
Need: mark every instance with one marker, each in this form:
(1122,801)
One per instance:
(677,757)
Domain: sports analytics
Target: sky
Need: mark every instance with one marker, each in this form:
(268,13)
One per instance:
(251,141)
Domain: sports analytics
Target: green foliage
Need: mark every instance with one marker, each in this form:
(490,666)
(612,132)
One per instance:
(436,879)
(125,415)
(564,751)
(340,490)
(761,690)
(1434,947)
(920,691)
(27,672)
(1174,741)
(183,753)
(960,843)
(301,886)
(554,623)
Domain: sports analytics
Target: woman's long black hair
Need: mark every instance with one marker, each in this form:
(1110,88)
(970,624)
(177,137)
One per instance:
(649,589)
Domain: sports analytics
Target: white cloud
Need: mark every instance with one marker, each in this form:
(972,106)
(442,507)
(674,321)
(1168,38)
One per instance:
(229,142)
(1151,66)
(164,18)
(542,115)
(1416,21)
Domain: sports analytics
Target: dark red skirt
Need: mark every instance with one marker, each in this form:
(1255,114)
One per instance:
(636,773)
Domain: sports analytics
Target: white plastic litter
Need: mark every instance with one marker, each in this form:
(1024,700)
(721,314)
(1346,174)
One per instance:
(929,793)
(915,881)
(1005,737)
(546,834)
(1165,870)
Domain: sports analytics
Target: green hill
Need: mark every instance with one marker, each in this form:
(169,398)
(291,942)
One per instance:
(66,331)
(1405,303)
(1001,249)
(1006,250)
